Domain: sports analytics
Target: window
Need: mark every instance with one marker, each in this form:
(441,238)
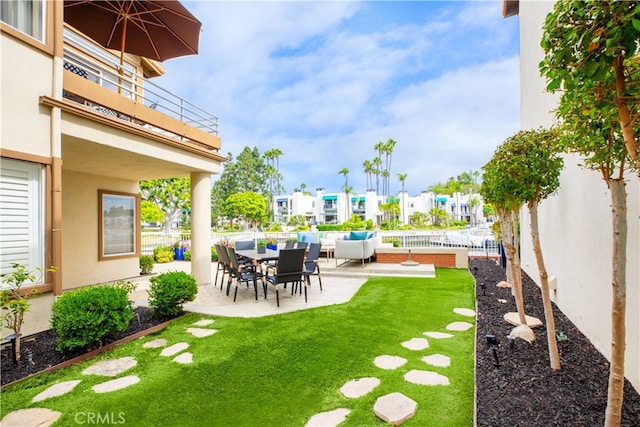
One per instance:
(119,225)
(21,215)
(24,15)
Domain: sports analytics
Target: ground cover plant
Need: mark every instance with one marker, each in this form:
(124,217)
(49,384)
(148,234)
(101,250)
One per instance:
(281,370)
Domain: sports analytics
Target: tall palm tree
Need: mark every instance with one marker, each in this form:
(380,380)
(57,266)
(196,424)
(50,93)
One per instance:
(402,177)
(368,168)
(345,172)
(377,171)
(387,149)
(347,190)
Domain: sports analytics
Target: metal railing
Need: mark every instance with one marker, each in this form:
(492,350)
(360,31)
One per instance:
(480,244)
(102,67)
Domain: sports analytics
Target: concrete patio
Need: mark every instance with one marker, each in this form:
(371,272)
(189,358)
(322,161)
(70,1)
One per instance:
(339,284)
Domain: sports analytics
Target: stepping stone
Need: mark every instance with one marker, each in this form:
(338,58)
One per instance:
(389,362)
(426,378)
(111,368)
(502,301)
(524,332)
(184,358)
(117,384)
(437,335)
(416,344)
(513,318)
(157,343)
(503,284)
(395,408)
(174,349)
(328,419)
(56,390)
(465,312)
(437,360)
(36,417)
(459,326)
(201,333)
(359,387)
(203,322)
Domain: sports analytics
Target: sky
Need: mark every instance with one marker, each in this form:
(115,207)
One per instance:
(325,81)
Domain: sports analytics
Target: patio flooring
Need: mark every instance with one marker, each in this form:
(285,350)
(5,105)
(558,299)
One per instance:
(339,284)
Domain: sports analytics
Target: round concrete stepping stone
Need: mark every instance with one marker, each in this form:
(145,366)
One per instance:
(117,384)
(395,408)
(184,358)
(328,419)
(200,332)
(524,332)
(416,344)
(111,368)
(174,349)
(359,387)
(157,343)
(204,322)
(437,360)
(437,335)
(426,378)
(459,326)
(389,362)
(33,417)
(465,312)
(56,390)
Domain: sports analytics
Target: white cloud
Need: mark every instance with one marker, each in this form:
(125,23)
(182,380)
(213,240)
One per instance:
(301,77)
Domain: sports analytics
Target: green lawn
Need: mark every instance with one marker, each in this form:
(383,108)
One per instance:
(280,370)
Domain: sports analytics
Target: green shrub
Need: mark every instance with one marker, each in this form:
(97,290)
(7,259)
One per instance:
(163,254)
(395,240)
(169,291)
(81,318)
(187,255)
(329,227)
(214,254)
(146,264)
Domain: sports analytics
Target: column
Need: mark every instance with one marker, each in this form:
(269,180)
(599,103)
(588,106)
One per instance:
(201,227)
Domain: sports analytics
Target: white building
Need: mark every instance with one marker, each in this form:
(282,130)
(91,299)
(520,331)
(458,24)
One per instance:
(575,224)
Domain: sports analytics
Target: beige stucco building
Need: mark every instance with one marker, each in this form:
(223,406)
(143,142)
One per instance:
(76,139)
(575,224)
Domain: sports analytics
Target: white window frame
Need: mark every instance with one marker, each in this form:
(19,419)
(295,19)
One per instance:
(26,16)
(22,222)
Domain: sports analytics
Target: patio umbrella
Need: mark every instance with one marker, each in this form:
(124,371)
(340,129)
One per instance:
(157,30)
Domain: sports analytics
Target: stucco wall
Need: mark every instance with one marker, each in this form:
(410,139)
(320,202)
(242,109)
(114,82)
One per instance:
(80,231)
(25,76)
(38,316)
(575,224)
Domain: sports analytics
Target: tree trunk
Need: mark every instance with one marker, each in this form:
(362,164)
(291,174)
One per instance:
(554,358)
(619,302)
(513,262)
(626,121)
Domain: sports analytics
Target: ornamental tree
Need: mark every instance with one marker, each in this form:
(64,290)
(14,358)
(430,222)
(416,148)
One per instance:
(590,52)
(170,195)
(248,205)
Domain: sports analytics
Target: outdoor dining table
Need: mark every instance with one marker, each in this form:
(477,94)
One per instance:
(254,255)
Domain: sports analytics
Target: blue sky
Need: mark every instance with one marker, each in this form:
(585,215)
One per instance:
(325,81)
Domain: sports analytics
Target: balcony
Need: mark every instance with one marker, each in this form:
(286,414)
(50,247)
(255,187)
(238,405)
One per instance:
(97,87)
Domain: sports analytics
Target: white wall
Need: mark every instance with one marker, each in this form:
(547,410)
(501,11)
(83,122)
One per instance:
(575,224)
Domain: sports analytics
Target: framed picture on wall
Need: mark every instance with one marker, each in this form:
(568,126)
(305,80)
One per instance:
(119,223)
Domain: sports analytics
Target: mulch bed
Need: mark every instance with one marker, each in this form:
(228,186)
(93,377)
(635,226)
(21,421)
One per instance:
(523,390)
(44,355)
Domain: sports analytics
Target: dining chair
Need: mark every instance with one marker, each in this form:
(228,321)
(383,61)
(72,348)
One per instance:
(289,270)
(242,274)
(302,245)
(220,264)
(223,257)
(289,244)
(242,245)
(311,265)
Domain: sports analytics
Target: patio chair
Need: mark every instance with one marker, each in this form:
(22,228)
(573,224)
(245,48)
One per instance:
(242,274)
(289,244)
(302,245)
(223,259)
(289,270)
(220,264)
(311,265)
(243,245)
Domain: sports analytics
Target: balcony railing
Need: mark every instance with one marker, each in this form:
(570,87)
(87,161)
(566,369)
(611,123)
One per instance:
(133,98)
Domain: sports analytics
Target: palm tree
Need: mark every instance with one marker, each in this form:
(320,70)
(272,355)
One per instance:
(378,162)
(368,167)
(402,177)
(387,149)
(303,186)
(347,190)
(345,172)
(377,171)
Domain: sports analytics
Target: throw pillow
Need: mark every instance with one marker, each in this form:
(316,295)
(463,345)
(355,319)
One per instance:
(358,235)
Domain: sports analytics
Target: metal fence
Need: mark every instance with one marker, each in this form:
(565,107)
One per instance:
(479,242)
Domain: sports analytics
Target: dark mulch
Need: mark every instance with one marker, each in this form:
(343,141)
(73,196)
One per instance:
(44,355)
(523,390)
